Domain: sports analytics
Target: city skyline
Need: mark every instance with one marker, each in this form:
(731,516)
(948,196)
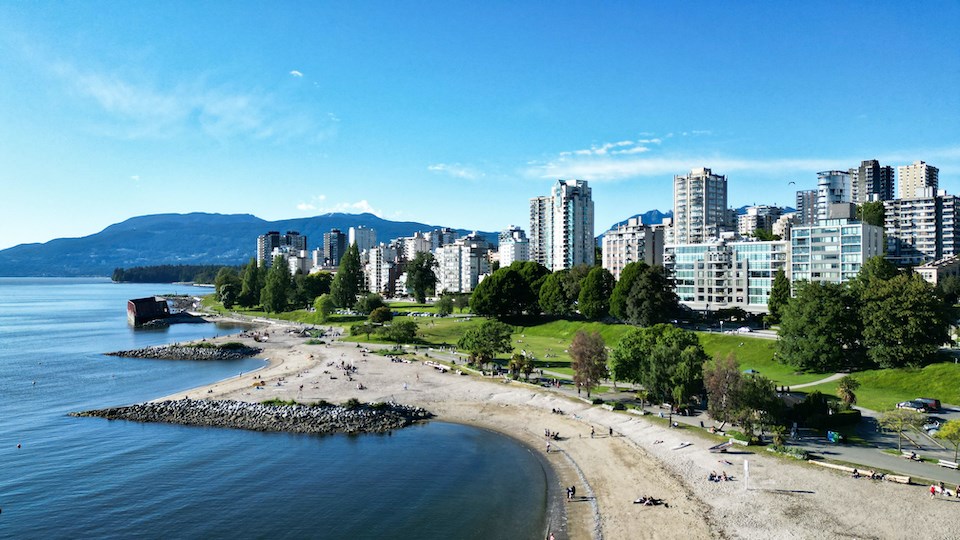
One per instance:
(112,111)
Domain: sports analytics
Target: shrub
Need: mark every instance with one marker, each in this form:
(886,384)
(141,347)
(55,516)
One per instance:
(232,345)
(277,402)
(314,341)
(352,403)
(619,406)
(597,401)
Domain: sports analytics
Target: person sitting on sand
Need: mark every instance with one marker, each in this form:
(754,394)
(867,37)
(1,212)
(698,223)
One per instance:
(725,477)
(712,477)
(856,473)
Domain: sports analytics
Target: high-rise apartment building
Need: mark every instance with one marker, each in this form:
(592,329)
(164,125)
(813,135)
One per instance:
(631,242)
(699,206)
(833,250)
(460,264)
(922,229)
(832,187)
(871,182)
(757,217)
(292,241)
(380,267)
(364,237)
(561,226)
(411,245)
(916,178)
(334,246)
(514,246)
(806,207)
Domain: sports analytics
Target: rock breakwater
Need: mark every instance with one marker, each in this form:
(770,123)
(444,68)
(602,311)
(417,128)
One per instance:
(191,352)
(313,419)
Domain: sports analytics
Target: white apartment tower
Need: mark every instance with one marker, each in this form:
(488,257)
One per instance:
(561,226)
(364,237)
(379,269)
(916,178)
(514,246)
(699,206)
(460,264)
(632,242)
(832,187)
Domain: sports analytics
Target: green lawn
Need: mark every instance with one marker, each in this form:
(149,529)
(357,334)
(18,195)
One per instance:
(882,389)
(757,354)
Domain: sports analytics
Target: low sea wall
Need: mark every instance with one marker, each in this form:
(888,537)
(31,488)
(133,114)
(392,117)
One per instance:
(313,419)
(188,352)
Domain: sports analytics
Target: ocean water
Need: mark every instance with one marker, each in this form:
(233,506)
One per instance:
(93,478)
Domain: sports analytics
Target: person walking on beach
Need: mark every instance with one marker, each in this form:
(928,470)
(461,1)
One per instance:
(593,431)
(548,451)
(573,492)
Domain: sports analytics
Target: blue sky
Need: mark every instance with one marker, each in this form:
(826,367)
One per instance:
(454,113)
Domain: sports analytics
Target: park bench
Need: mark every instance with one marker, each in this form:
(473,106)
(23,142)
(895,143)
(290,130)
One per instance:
(947,464)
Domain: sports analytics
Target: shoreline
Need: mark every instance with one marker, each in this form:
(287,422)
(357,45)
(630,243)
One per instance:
(780,499)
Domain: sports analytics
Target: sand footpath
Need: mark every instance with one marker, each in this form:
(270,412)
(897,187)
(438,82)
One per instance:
(781,499)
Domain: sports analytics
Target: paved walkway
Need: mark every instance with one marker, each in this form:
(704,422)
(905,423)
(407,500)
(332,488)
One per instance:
(834,377)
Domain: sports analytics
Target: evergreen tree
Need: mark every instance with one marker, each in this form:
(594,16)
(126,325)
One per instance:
(594,301)
(348,282)
(421,277)
(552,299)
(779,296)
(618,298)
(250,288)
(275,295)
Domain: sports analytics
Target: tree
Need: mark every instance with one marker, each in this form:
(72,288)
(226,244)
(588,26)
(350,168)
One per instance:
(874,270)
(764,235)
(325,306)
(229,294)
(819,329)
(950,287)
(486,340)
(461,302)
(758,402)
(589,354)
(381,315)
(348,281)
(724,382)
(444,306)
(652,299)
(899,420)
(401,332)
(420,275)
(369,302)
(667,361)
(250,288)
(950,432)
(905,321)
(871,213)
(307,287)
(534,275)
(225,276)
(502,294)
(779,297)
(618,298)
(846,388)
(594,301)
(519,363)
(572,279)
(552,300)
(275,296)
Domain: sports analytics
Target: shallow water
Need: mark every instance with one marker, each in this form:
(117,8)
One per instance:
(84,477)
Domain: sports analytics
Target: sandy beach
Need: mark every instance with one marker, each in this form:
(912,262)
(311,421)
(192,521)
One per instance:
(781,498)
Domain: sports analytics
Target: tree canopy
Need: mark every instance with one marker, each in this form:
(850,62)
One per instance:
(779,297)
(369,302)
(348,282)
(275,295)
(589,354)
(421,277)
(501,294)
(667,361)
(486,340)
(251,285)
(618,298)
(552,300)
(652,299)
(594,301)
(819,329)
(871,213)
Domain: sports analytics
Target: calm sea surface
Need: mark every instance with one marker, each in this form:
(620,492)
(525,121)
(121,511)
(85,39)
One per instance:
(92,478)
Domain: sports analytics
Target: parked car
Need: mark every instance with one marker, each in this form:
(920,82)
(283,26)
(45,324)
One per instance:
(913,406)
(932,404)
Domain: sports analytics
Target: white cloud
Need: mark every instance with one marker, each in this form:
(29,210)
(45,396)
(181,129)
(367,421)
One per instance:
(313,204)
(135,178)
(455,170)
(296,73)
(138,109)
(619,147)
(359,207)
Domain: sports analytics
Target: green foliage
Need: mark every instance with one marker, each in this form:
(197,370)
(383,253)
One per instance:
(461,301)
(905,321)
(950,432)
(168,273)
(819,329)
(534,275)
(485,341)
(651,299)
(950,288)
(846,389)
(666,360)
(883,388)
(348,281)
(277,402)
(618,298)
(364,328)
(502,294)
(227,275)
(421,277)
(381,315)
(307,287)
(589,354)
(764,235)
(899,420)
(401,331)
(871,213)
(369,302)
(325,307)
(553,301)
(352,403)
(229,294)
(275,295)
(250,288)
(723,380)
(779,296)
(594,301)
(444,305)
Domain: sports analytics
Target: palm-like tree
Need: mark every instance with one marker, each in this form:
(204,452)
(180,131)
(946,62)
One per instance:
(846,388)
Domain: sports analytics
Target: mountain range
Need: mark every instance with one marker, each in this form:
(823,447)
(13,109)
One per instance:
(199,238)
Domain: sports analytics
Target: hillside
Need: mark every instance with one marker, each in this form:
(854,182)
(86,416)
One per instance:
(197,238)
